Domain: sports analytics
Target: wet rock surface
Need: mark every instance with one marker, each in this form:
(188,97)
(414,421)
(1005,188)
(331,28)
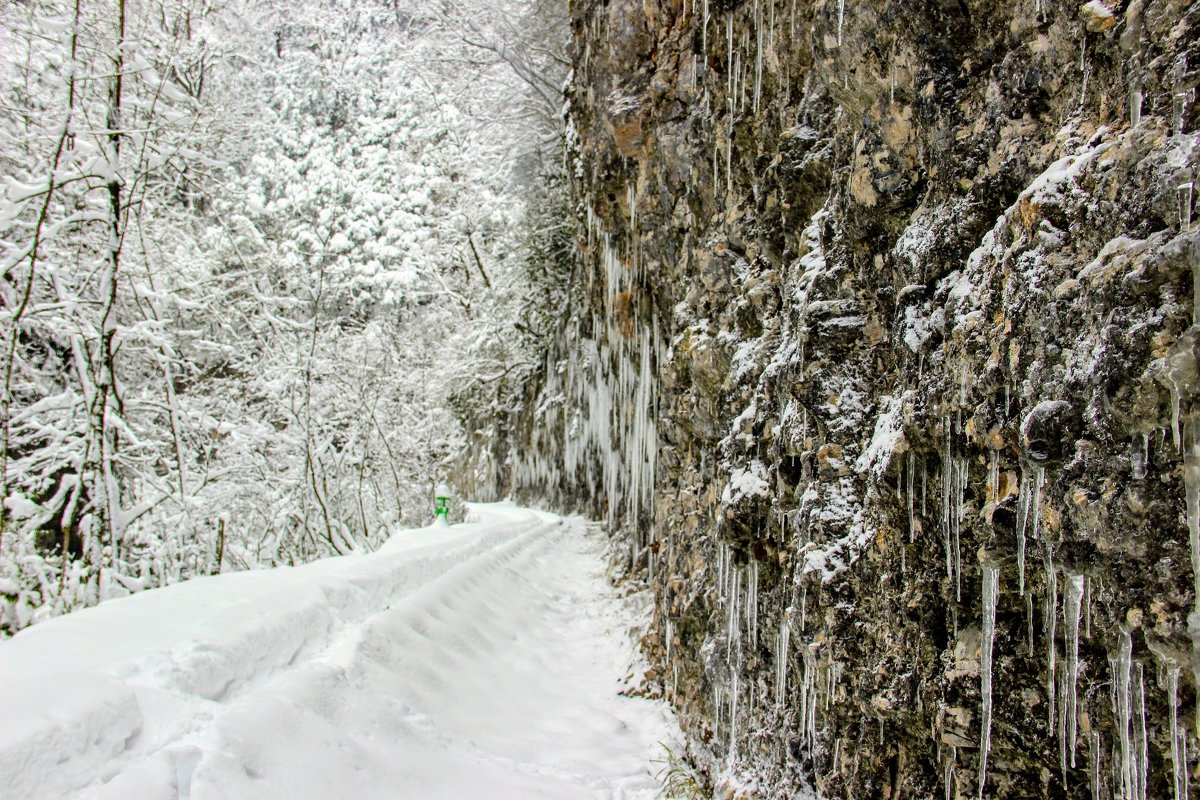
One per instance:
(874,297)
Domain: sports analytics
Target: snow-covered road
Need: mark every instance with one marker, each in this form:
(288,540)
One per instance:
(478,661)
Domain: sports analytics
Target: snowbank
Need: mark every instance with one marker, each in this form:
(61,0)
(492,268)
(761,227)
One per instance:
(312,681)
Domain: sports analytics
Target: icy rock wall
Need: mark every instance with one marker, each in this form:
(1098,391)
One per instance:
(884,365)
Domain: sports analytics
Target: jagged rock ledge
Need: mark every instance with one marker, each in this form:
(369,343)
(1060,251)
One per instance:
(884,362)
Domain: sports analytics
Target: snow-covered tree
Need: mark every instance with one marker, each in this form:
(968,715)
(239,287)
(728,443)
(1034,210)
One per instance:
(253,253)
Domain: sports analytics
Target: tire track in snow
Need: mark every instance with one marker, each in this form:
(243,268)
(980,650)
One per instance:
(498,680)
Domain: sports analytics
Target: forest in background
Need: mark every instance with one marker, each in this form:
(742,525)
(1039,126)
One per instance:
(259,261)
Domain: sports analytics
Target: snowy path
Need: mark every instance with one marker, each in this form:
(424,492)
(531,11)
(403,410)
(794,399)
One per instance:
(479,661)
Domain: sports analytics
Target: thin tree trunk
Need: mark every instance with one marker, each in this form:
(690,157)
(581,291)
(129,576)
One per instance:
(27,290)
(310,461)
(478,261)
(220,547)
(362,511)
(105,489)
(391,462)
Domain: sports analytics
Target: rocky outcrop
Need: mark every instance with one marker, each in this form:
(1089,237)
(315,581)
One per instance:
(884,362)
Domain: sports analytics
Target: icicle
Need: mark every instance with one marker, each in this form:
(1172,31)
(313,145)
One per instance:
(1122,710)
(959,490)
(946,518)
(733,703)
(924,486)
(909,480)
(947,493)
(803,606)
(1022,517)
(722,552)
(1175,401)
(832,671)
(1184,191)
(729,157)
(781,656)
(1029,504)
(1179,111)
(954,484)
(716,708)
(1183,758)
(729,75)
(994,477)
(631,198)
(991,573)
(743,78)
(771,28)
(1138,456)
(758,67)
(892,74)
(1029,622)
(1051,620)
(804,691)
(948,771)
(1179,770)
(732,628)
(1140,744)
(812,711)
(1115,765)
(716,164)
(736,95)
(1087,607)
(1191,490)
(1135,106)
(841,17)
(1195,290)
(1071,613)
(1094,764)
(752,602)
(1039,480)
(808,698)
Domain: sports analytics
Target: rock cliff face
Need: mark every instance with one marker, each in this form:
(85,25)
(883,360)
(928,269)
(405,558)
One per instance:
(884,362)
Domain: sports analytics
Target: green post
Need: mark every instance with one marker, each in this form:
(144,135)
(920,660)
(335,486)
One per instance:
(441,505)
